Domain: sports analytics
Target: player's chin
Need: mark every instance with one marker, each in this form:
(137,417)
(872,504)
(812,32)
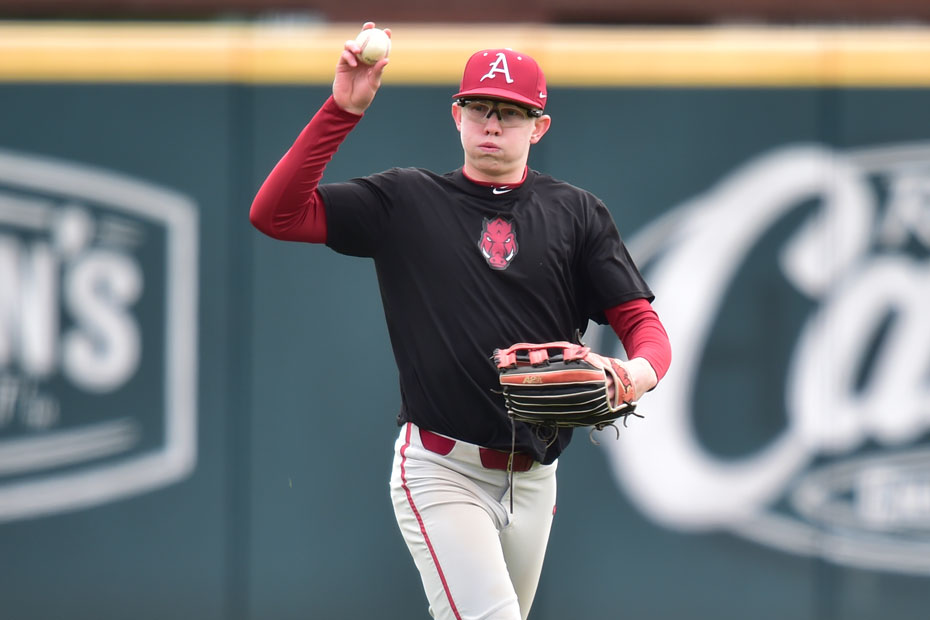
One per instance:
(490,160)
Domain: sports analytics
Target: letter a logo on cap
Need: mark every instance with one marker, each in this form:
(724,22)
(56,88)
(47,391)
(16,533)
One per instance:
(499,65)
(522,80)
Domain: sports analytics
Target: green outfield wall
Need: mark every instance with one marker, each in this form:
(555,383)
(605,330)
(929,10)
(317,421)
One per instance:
(182,435)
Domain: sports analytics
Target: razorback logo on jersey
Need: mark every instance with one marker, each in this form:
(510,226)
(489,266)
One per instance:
(498,243)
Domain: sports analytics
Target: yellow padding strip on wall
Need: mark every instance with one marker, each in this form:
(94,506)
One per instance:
(435,54)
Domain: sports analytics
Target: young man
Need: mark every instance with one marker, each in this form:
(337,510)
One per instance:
(479,258)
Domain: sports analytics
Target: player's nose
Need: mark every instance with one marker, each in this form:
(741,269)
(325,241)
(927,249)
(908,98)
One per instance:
(492,126)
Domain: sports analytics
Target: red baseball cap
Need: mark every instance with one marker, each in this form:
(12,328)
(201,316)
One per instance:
(504,74)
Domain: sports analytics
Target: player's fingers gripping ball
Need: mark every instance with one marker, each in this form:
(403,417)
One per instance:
(375,44)
(561,384)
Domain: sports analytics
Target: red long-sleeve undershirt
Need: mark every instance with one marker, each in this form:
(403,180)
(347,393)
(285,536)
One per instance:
(639,329)
(288,206)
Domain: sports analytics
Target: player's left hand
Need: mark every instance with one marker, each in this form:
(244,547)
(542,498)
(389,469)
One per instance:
(562,385)
(356,83)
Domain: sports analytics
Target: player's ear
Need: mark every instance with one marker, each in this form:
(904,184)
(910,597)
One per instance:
(540,127)
(457,115)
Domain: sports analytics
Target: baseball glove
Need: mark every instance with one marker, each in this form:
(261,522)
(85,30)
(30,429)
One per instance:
(560,384)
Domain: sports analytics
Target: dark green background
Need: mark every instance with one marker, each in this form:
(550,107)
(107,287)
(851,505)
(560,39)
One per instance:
(287,514)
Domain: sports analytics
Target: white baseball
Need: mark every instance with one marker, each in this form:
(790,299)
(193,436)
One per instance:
(375,45)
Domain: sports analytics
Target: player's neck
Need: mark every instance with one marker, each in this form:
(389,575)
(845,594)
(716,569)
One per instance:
(510,178)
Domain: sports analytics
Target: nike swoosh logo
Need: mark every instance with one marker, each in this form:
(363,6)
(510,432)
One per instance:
(500,190)
(543,95)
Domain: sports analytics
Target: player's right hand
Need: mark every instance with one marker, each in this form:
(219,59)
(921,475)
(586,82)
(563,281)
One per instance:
(356,83)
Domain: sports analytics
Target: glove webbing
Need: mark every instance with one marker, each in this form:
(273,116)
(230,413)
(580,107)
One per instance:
(524,353)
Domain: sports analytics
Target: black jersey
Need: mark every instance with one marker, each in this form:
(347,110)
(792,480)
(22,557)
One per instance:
(464,269)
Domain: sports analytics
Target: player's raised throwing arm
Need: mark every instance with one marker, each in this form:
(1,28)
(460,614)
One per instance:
(288,205)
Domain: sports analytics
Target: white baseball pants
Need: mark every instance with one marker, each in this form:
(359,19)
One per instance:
(477,561)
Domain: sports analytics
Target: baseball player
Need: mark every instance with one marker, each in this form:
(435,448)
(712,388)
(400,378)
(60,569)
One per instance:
(477,258)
